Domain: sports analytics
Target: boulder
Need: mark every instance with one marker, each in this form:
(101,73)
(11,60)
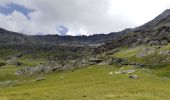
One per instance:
(133,77)
(39,79)
(125,72)
(167,52)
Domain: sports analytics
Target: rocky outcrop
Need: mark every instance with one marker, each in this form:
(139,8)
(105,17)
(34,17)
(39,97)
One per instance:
(155,32)
(37,70)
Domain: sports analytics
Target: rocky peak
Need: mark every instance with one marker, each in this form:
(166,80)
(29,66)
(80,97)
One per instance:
(155,21)
(165,14)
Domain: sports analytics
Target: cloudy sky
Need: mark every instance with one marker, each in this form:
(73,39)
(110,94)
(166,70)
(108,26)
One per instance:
(77,17)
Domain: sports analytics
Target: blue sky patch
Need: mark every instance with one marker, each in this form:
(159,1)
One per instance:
(9,8)
(63,30)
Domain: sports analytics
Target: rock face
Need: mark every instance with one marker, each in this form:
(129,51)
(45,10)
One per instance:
(37,70)
(55,66)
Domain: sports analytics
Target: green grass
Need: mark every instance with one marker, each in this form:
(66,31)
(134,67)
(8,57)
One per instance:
(92,83)
(153,60)
(7,53)
(163,72)
(128,52)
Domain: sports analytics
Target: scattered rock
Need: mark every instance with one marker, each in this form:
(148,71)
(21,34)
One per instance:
(39,79)
(19,55)
(128,71)
(125,72)
(133,77)
(18,63)
(110,73)
(167,52)
(118,72)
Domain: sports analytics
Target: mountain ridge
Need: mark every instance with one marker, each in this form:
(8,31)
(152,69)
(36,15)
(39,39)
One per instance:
(10,38)
(155,32)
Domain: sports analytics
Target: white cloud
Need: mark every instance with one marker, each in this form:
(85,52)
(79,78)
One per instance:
(81,16)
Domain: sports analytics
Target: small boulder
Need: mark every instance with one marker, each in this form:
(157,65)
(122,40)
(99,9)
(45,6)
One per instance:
(110,73)
(133,77)
(39,79)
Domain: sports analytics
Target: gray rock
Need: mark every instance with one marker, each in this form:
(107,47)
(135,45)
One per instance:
(125,72)
(167,52)
(39,79)
(37,70)
(133,77)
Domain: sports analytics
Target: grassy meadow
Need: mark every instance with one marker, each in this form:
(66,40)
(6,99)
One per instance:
(92,83)
(96,82)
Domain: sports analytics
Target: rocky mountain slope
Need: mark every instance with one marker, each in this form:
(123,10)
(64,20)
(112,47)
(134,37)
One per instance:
(7,37)
(74,51)
(155,32)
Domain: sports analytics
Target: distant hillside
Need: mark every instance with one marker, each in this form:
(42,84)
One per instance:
(13,38)
(7,37)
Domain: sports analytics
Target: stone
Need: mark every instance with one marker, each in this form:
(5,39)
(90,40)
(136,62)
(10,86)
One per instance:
(117,72)
(110,73)
(128,71)
(167,52)
(125,72)
(133,77)
(18,63)
(39,79)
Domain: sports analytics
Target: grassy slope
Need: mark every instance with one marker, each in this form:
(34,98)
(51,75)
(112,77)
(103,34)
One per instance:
(93,83)
(128,52)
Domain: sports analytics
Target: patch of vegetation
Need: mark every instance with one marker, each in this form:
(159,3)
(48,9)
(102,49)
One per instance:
(2,64)
(164,71)
(128,52)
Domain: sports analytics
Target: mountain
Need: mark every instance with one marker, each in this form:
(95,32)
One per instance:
(7,37)
(155,21)
(11,38)
(155,32)
(133,64)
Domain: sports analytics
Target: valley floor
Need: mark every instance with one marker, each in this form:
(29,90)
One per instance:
(93,83)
